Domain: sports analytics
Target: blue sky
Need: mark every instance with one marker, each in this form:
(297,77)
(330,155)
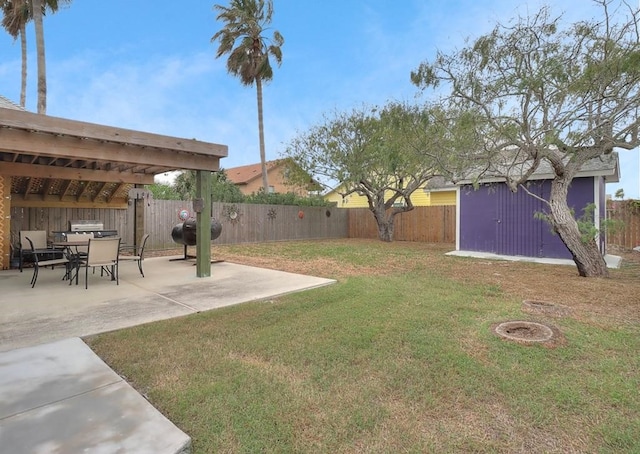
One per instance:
(150,65)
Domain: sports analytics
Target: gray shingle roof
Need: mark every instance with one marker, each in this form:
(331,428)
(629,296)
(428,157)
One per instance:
(607,166)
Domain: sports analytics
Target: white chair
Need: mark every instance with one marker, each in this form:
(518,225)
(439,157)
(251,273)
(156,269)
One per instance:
(38,263)
(138,254)
(102,252)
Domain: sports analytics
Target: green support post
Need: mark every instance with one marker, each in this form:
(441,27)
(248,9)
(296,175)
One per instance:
(202,206)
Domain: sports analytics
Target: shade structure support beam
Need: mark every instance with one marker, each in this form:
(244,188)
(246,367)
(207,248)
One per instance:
(202,207)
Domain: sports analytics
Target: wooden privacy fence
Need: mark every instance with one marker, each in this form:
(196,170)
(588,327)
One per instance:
(423,224)
(249,223)
(261,223)
(246,223)
(628,212)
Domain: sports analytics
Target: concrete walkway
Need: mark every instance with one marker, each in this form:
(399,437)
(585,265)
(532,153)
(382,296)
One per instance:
(61,398)
(613,261)
(57,396)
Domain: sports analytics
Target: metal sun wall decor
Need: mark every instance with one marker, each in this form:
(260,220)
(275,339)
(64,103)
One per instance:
(231,213)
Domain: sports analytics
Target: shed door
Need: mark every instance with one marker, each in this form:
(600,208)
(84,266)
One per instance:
(517,230)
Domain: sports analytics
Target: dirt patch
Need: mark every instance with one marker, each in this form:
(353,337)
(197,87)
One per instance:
(546,308)
(529,333)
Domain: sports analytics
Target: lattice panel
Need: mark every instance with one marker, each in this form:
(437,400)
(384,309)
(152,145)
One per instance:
(4,222)
(78,190)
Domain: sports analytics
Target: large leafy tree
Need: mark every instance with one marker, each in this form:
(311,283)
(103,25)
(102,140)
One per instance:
(546,93)
(382,154)
(163,191)
(243,39)
(222,189)
(16,15)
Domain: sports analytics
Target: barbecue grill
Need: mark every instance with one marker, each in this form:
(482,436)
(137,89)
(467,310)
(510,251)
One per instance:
(185,233)
(84,226)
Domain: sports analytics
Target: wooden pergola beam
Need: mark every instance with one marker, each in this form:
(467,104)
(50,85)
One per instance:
(26,142)
(28,121)
(68,173)
(20,201)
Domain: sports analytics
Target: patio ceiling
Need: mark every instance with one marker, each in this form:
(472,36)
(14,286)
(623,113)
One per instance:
(55,162)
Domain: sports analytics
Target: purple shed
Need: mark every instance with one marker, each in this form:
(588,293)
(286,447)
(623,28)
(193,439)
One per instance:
(495,220)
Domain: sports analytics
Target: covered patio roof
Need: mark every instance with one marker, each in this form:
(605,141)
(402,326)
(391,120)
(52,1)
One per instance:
(56,162)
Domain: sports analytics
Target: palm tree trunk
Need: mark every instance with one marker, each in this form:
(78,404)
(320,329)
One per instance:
(42,69)
(23,83)
(263,159)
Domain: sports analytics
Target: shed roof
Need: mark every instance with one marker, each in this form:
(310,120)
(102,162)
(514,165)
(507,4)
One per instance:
(607,166)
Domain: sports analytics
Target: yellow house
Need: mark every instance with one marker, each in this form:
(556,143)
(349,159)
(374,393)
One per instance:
(429,195)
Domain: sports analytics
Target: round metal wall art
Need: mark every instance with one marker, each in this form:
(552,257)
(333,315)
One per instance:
(231,213)
(183,215)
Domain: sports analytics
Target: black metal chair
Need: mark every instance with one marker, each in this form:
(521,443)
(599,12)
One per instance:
(138,254)
(37,264)
(39,240)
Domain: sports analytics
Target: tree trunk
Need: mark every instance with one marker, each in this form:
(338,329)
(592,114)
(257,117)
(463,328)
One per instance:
(385,224)
(42,68)
(586,253)
(23,82)
(263,159)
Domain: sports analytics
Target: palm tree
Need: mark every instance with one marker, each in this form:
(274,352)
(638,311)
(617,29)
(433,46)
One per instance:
(242,38)
(15,15)
(42,63)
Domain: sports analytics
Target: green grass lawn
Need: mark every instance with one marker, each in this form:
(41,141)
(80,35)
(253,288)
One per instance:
(390,359)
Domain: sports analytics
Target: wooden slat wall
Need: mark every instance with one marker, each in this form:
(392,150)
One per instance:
(5,224)
(629,213)
(423,224)
(57,219)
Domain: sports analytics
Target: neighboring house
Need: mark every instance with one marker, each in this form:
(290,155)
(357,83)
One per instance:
(249,178)
(493,219)
(434,193)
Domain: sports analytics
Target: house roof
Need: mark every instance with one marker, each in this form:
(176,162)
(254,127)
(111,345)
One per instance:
(246,174)
(59,162)
(607,166)
(8,104)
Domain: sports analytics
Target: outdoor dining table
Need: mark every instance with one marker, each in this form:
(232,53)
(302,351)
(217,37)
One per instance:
(72,254)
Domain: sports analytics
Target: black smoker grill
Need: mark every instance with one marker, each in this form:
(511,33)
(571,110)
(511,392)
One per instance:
(84,226)
(185,233)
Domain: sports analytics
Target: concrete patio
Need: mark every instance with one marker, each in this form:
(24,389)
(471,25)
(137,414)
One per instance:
(57,396)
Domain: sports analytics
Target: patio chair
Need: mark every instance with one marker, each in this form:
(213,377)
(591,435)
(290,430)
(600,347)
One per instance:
(39,240)
(102,252)
(138,254)
(81,250)
(42,263)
